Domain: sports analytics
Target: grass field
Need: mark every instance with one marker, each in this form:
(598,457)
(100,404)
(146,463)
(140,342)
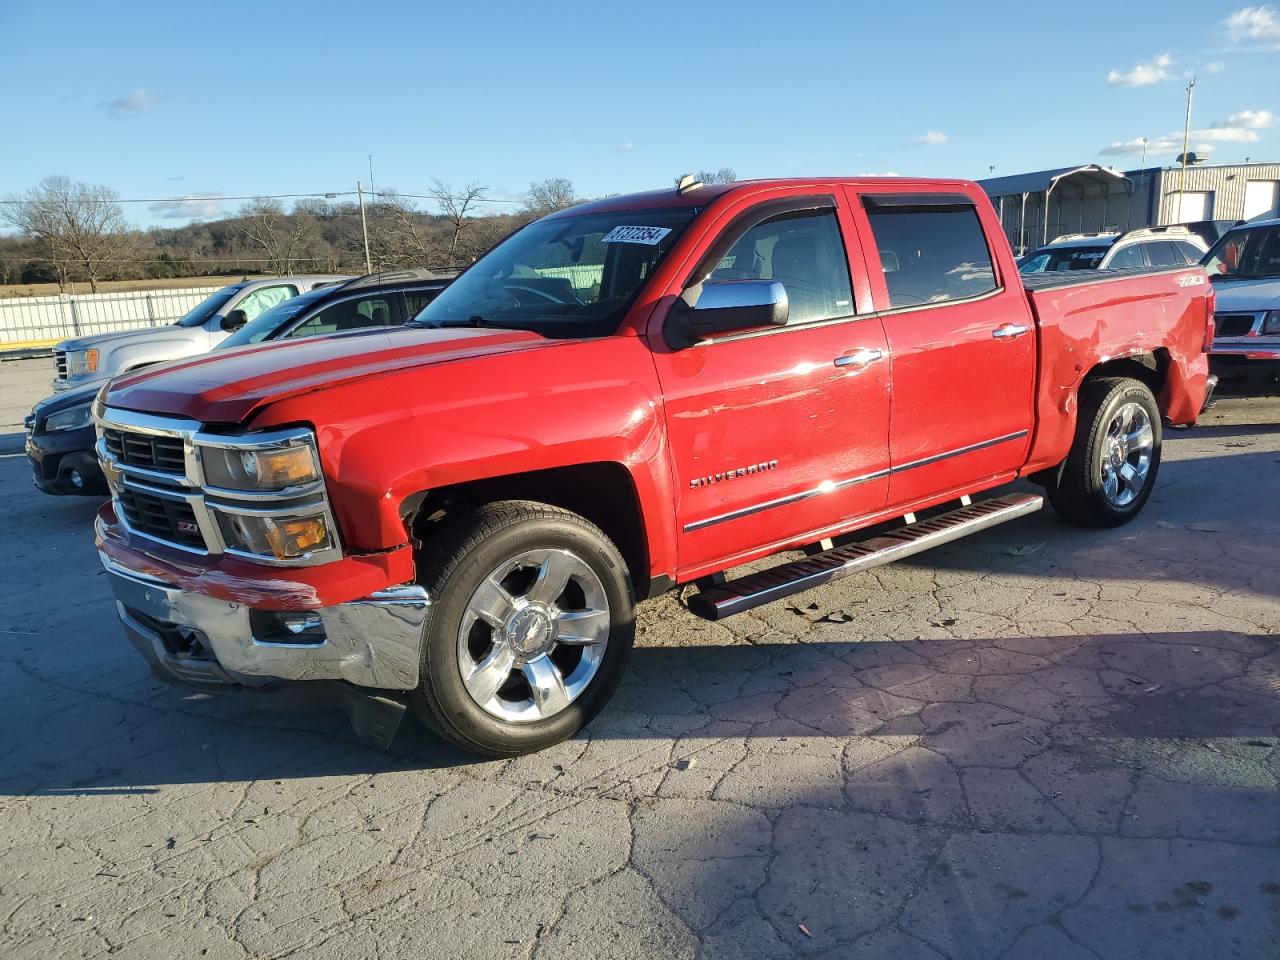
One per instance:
(115,286)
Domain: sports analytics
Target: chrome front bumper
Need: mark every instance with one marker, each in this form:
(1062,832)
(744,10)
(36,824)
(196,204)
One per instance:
(1248,348)
(198,640)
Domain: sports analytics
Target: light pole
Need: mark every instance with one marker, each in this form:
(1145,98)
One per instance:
(1186,136)
(1146,185)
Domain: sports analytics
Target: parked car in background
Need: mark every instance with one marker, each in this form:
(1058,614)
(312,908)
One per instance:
(60,434)
(1244,268)
(632,394)
(1211,231)
(385,299)
(1173,246)
(97,358)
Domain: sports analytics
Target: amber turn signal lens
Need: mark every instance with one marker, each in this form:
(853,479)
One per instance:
(293,538)
(91,360)
(280,468)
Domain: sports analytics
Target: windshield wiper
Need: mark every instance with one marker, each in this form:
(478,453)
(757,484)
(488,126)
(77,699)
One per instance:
(473,321)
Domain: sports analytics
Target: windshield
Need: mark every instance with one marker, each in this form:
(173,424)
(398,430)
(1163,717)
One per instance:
(564,277)
(206,308)
(1063,258)
(264,326)
(1245,255)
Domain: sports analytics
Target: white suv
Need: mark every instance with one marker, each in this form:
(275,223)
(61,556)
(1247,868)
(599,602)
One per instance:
(1174,246)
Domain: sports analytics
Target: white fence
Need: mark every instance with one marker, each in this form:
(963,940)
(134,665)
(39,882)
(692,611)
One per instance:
(34,324)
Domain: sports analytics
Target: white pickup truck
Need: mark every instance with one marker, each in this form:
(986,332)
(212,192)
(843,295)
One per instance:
(1244,267)
(97,358)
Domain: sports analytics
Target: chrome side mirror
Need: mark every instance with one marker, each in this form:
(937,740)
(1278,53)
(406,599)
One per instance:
(725,306)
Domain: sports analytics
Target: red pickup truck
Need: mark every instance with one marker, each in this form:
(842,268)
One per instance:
(633,394)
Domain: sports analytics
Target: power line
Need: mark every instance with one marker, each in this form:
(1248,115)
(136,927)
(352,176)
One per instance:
(259,196)
(177,261)
(327,195)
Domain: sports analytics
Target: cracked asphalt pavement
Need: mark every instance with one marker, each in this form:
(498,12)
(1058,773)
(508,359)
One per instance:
(1037,743)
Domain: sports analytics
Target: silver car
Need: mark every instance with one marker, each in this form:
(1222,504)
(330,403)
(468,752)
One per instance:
(97,358)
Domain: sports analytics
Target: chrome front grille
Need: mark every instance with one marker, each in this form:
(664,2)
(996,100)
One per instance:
(1234,324)
(164,517)
(155,467)
(60,361)
(153,451)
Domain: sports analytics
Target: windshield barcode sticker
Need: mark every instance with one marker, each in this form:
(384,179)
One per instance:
(649,235)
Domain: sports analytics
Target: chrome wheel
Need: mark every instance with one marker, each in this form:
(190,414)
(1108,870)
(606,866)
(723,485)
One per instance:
(533,635)
(1125,456)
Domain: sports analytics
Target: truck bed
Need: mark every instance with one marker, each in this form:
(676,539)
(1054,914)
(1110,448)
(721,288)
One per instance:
(1156,315)
(1038,282)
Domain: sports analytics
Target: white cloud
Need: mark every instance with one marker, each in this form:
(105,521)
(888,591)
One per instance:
(627,147)
(1250,25)
(1153,145)
(1241,127)
(1250,119)
(140,101)
(934,138)
(1144,74)
(194,206)
(887,173)
(1217,66)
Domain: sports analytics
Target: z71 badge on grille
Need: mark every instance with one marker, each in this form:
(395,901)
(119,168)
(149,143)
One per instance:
(733,474)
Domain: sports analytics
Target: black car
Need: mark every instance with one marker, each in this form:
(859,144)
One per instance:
(60,441)
(60,432)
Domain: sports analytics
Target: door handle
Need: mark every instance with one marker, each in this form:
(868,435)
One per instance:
(1009,331)
(859,358)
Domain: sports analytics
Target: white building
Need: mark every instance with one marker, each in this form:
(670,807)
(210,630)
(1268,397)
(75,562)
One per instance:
(1094,198)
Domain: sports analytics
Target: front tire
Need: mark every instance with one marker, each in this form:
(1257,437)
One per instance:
(531,623)
(1111,469)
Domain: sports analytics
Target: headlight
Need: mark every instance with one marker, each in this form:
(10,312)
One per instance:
(82,361)
(269,465)
(280,536)
(1271,322)
(68,419)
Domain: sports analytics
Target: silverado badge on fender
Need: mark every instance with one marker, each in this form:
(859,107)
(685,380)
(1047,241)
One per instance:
(734,473)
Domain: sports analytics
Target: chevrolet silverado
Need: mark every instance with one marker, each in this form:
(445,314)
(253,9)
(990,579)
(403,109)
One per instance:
(636,393)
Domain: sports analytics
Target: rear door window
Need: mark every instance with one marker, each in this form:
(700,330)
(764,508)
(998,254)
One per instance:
(930,253)
(1190,254)
(1130,256)
(1164,255)
(415,300)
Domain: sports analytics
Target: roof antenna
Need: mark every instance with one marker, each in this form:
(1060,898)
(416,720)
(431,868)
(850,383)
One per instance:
(687,184)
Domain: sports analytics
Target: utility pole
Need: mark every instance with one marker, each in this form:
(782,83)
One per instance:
(1186,136)
(1142,172)
(364,228)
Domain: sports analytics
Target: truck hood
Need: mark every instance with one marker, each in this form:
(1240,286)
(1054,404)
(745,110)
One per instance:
(148,334)
(230,386)
(1247,295)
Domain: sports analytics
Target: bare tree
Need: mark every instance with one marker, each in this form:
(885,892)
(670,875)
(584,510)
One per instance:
(548,196)
(399,235)
(723,175)
(80,228)
(456,206)
(283,239)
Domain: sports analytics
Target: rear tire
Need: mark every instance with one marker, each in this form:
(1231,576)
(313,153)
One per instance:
(1111,469)
(531,623)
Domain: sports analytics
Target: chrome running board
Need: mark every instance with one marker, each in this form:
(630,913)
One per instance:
(722,600)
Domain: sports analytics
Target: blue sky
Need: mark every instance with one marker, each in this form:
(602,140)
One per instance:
(181,99)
